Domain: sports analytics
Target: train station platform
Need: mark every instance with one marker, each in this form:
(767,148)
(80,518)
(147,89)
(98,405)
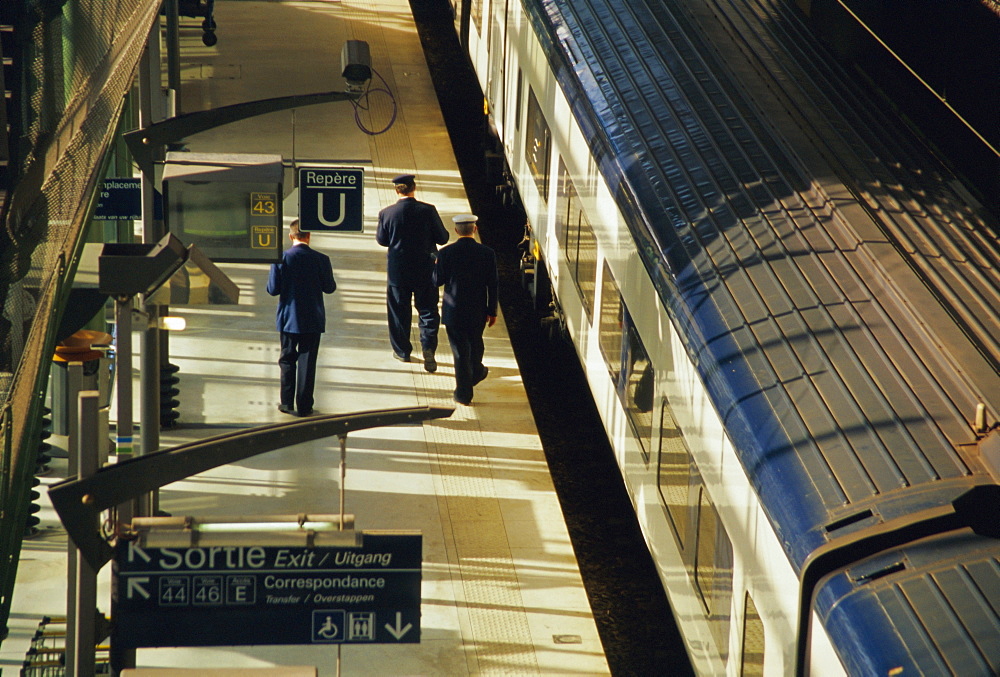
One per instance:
(501,592)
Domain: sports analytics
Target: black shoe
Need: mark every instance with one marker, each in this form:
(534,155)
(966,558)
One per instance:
(401,358)
(285,409)
(482,375)
(430,364)
(465,402)
(310,412)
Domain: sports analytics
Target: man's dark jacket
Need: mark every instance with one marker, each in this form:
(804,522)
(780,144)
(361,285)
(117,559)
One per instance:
(468,271)
(411,230)
(300,281)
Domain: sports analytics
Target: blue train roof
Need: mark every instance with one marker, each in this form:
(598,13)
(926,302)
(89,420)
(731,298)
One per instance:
(840,300)
(922,609)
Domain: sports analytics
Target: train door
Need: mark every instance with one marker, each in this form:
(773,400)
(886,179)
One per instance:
(497,55)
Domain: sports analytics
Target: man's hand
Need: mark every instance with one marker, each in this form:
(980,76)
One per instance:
(491,320)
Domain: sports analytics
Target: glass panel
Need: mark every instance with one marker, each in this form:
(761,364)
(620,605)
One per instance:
(586,265)
(752,664)
(476,14)
(714,572)
(612,315)
(675,473)
(577,239)
(538,145)
(639,384)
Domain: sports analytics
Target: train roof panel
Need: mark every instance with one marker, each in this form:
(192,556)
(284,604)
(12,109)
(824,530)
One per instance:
(929,608)
(841,300)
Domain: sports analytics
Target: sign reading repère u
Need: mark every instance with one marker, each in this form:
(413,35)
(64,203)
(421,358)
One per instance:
(239,594)
(331,199)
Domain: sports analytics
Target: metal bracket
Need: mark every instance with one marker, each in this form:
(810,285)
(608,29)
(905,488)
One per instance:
(79,502)
(143,142)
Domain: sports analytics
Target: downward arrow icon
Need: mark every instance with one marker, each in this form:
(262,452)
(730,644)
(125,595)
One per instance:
(398,631)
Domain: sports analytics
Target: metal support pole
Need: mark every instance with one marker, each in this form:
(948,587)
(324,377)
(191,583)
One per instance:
(123,374)
(151,109)
(81,636)
(343,493)
(149,393)
(123,437)
(343,476)
(173,49)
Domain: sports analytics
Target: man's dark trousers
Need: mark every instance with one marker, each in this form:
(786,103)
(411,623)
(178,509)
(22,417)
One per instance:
(398,300)
(467,350)
(297,362)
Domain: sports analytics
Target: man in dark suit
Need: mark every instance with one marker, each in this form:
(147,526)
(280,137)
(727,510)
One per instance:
(411,230)
(468,272)
(299,282)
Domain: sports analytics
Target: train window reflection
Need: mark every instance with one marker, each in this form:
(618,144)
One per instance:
(638,385)
(714,572)
(612,316)
(577,239)
(627,360)
(752,662)
(538,145)
(674,475)
(476,15)
(517,100)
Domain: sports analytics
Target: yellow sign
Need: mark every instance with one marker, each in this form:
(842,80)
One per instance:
(263,237)
(264,203)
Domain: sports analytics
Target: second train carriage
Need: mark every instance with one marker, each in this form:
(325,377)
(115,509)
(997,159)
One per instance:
(788,312)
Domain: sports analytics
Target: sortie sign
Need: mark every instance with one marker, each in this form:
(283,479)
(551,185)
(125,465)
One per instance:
(232,595)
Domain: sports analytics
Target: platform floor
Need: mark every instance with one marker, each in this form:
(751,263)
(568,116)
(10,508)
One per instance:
(501,590)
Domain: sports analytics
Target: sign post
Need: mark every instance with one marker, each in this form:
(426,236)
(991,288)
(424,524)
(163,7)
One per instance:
(242,593)
(331,199)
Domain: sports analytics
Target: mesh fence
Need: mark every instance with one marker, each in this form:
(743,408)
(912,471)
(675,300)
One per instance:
(75,62)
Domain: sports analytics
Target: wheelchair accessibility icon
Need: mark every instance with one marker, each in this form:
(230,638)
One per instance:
(327,626)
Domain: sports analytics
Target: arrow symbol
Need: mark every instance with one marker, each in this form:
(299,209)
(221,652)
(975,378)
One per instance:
(397,631)
(135,584)
(134,550)
(322,217)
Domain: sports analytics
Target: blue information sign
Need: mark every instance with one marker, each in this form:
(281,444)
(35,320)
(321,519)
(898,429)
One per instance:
(119,200)
(331,199)
(233,595)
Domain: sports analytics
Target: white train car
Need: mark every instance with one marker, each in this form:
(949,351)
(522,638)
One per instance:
(788,312)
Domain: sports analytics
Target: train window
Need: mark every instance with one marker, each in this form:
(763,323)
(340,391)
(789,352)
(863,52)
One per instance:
(627,360)
(566,232)
(674,476)
(497,85)
(586,265)
(752,662)
(714,572)
(612,318)
(538,146)
(577,239)
(476,14)
(517,100)
(637,384)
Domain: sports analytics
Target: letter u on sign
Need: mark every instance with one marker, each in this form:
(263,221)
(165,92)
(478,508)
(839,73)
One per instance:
(321,212)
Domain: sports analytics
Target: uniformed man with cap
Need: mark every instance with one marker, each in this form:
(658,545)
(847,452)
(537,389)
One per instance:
(468,272)
(411,230)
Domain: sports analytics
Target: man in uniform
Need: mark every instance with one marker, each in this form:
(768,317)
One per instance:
(299,282)
(411,230)
(468,272)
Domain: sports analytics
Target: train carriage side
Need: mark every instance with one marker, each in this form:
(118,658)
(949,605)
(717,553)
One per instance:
(688,488)
(732,505)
